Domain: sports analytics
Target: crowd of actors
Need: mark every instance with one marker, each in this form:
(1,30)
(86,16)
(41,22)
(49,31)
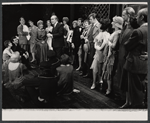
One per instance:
(98,49)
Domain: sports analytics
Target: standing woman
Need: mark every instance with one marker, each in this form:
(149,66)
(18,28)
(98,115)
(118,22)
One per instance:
(49,31)
(33,32)
(117,25)
(76,42)
(84,48)
(100,42)
(41,42)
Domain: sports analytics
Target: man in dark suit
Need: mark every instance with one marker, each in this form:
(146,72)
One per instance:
(24,54)
(57,36)
(135,67)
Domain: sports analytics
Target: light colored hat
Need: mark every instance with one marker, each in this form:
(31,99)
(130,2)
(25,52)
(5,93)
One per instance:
(39,22)
(118,21)
(15,57)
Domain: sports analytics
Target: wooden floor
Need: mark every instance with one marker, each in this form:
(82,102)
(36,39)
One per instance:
(86,99)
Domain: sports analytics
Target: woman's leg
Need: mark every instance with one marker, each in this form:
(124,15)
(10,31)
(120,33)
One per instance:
(94,80)
(109,87)
(80,59)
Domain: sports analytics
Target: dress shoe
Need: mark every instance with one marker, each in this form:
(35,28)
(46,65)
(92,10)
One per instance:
(108,93)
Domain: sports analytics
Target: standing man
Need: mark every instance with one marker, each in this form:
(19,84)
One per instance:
(135,67)
(93,32)
(57,36)
(22,33)
(125,35)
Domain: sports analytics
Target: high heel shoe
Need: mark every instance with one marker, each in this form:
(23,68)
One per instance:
(78,68)
(126,105)
(108,92)
(93,87)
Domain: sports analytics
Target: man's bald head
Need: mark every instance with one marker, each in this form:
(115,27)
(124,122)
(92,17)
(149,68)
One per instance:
(143,12)
(142,16)
(54,19)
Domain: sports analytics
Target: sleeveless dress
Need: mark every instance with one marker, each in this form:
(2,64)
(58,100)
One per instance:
(49,40)
(6,57)
(99,56)
(109,62)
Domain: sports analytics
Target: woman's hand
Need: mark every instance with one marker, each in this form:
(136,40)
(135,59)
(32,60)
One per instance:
(82,37)
(43,42)
(73,46)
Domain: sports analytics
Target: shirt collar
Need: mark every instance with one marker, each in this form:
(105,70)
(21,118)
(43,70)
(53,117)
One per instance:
(144,24)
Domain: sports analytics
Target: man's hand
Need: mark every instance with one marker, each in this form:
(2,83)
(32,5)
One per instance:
(144,57)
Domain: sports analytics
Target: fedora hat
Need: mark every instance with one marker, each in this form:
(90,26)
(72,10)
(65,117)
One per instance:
(118,21)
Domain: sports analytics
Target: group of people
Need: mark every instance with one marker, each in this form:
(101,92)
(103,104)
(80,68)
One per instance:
(89,47)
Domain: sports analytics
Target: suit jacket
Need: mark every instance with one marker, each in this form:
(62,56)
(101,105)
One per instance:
(22,35)
(58,39)
(17,48)
(76,37)
(136,46)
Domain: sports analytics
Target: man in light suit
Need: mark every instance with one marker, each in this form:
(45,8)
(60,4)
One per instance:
(57,36)
(93,32)
(22,34)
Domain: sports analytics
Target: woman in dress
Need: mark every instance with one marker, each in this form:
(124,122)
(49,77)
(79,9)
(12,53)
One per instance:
(41,42)
(33,32)
(117,26)
(100,42)
(49,31)
(7,51)
(84,48)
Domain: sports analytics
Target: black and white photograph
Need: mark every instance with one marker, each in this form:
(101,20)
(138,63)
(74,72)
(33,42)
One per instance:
(74,57)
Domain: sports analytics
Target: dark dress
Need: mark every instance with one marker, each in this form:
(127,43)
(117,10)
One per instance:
(65,83)
(135,70)
(42,46)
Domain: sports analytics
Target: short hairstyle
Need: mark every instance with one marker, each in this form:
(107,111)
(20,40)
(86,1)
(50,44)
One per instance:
(130,11)
(86,21)
(12,38)
(20,18)
(30,21)
(55,17)
(66,19)
(80,19)
(6,43)
(105,24)
(39,22)
(93,15)
(64,59)
(133,22)
(75,21)
(144,12)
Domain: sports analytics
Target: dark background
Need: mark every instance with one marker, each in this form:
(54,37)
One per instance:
(35,12)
